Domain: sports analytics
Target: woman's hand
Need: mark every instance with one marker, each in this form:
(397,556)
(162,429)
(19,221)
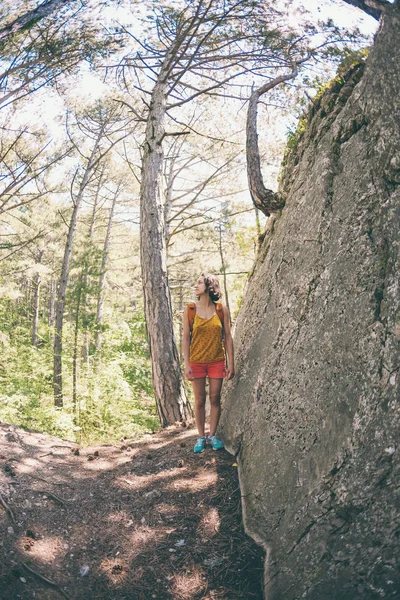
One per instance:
(189,374)
(230,373)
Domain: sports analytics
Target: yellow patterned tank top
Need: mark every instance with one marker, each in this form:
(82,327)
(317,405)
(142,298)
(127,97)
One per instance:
(206,345)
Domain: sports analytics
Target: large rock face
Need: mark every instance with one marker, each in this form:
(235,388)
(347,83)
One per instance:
(312,412)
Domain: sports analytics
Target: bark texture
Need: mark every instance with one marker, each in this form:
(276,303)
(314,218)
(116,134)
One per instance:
(31,17)
(265,200)
(313,411)
(171,401)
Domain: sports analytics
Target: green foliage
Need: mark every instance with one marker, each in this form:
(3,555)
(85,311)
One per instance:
(349,58)
(115,395)
(293,135)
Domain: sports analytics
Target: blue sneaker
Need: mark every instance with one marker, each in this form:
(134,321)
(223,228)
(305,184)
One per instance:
(200,445)
(215,442)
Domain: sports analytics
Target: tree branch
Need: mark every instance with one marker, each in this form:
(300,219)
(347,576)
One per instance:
(373,8)
(265,200)
(31,17)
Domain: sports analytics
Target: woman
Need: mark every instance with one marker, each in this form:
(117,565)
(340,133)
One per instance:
(206,337)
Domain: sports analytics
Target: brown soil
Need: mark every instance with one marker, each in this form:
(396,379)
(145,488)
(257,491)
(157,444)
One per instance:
(139,520)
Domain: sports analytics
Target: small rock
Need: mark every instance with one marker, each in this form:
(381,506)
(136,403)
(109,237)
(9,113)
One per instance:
(153,494)
(10,530)
(84,570)
(22,579)
(390,450)
(214,561)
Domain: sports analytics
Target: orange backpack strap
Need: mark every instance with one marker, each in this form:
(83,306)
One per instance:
(220,313)
(191,314)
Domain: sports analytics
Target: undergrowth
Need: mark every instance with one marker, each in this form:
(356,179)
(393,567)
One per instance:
(114,394)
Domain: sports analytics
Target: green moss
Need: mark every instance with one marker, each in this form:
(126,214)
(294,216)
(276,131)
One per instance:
(350,63)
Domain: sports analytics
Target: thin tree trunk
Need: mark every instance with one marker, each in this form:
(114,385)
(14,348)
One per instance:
(75,354)
(223,268)
(171,401)
(36,302)
(57,375)
(28,299)
(51,302)
(86,276)
(100,300)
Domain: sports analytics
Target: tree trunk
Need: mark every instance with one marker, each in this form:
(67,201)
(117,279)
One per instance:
(31,17)
(100,300)
(36,303)
(51,303)
(75,355)
(57,374)
(86,276)
(223,267)
(171,401)
(265,200)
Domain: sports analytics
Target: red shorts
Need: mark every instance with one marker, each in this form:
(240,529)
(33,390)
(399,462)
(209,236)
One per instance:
(215,370)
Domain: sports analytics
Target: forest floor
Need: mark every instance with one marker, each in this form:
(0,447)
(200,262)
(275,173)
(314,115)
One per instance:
(137,520)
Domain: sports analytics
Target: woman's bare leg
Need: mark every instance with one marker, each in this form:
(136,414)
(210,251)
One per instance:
(215,386)
(199,390)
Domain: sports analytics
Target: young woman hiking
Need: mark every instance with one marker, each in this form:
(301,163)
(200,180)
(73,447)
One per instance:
(207,349)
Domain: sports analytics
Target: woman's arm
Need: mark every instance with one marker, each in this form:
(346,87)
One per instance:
(186,345)
(230,372)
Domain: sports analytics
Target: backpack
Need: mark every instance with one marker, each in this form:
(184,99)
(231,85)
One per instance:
(192,313)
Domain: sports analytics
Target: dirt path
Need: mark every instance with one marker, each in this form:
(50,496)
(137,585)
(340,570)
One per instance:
(138,520)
